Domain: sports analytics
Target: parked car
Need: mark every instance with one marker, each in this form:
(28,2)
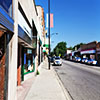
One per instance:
(92,61)
(57,61)
(78,59)
(84,60)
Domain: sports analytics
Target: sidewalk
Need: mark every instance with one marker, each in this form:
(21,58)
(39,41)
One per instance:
(46,86)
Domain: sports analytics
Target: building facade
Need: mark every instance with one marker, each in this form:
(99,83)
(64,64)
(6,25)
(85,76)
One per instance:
(98,52)
(8,47)
(89,50)
(41,36)
(21,38)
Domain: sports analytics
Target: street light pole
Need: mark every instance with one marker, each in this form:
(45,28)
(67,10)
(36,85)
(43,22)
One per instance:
(49,31)
(53,34)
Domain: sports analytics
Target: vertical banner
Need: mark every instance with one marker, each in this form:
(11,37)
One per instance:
(51,20)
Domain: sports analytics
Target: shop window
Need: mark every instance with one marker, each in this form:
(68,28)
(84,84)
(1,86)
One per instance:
(28,61)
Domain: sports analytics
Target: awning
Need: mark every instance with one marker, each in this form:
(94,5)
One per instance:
(6,21)
(88,51)
(24,39)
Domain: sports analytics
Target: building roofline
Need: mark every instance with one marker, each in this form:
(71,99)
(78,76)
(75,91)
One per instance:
(39,6)
(35,7)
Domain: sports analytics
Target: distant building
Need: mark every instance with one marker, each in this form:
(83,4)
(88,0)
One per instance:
(89,50)
(98,52)
(68,54)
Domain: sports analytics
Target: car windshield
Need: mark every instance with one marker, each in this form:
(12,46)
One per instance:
(57,58)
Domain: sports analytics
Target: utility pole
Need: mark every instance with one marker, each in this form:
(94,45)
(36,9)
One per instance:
(49,32)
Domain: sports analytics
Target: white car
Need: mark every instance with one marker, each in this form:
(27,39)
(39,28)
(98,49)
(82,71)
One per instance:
(57,61)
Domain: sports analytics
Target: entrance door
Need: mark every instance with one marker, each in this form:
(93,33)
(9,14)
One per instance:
(2,64)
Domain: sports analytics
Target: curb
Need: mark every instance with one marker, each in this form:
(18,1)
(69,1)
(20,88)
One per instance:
(66,93)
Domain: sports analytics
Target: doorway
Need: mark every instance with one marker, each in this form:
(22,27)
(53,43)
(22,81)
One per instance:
(2,64)
(5,38)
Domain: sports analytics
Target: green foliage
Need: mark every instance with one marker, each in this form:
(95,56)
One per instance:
(60,49)
(70,48)
(52,54)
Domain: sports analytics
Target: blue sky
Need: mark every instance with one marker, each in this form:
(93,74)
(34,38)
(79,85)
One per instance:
(76,21)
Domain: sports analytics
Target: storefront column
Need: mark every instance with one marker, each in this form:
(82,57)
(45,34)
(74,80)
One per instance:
(13,46)
(19,66)
(23,63)
(36,57)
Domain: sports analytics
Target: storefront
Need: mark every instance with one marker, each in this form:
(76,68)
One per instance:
(98,53)
(6,33)
(5,37)
(90,54)
(75,54)
(89,50)
(26,45)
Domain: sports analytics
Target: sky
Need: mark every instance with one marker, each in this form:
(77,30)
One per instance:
(75,21)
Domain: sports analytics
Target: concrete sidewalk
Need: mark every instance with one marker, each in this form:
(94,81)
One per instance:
(46,86)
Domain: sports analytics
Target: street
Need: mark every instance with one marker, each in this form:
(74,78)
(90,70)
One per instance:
(81,81)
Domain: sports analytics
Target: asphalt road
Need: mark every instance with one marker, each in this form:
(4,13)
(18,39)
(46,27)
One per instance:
(81,81)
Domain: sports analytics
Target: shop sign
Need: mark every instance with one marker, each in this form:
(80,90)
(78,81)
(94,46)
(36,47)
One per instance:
(88,51)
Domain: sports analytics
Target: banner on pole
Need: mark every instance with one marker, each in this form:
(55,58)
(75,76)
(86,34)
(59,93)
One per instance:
(51,20)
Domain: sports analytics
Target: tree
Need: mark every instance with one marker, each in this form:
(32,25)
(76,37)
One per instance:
(70,48)
(60,49)
(52,54)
